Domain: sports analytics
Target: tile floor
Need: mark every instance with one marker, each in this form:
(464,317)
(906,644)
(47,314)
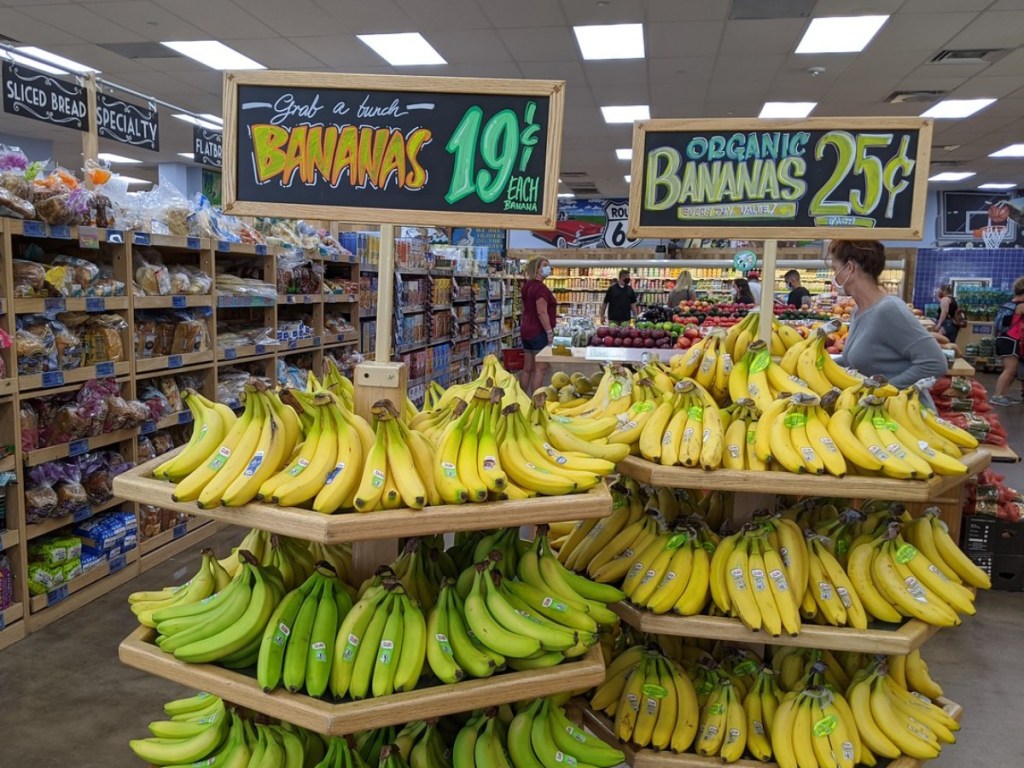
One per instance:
(65,698)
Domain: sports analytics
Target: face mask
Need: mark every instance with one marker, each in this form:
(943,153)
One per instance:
(840,288)
(545,271)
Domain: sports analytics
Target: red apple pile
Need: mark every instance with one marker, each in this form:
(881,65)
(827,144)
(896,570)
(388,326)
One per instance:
(635,338)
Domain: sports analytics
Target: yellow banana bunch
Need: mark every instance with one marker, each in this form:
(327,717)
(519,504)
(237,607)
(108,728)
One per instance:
(210,423)
(815,727)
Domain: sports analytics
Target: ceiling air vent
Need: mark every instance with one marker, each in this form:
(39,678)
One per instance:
(968,56)
(586,188)
(145,50)
(914,97)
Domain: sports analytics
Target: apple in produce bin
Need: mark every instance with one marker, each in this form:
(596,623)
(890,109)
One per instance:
(649,342)
(683,343)
(609,341)
(618,341)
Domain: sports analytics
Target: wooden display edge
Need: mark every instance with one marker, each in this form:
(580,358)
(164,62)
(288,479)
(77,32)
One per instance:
(14,628)
(71,304)
(162,549)
(72,376)
(8,386)
(138,485)
(139,651)
(1002,453)
(184,360)
(906,638)
(51,524)
(167,302)
(62,450)
(9,537)
(788,483)
(95,584)
(601,727)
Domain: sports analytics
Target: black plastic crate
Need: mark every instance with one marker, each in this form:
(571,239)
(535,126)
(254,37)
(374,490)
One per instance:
(998,537)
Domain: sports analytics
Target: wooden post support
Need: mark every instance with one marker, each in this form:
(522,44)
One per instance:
(385,293)
(91,137)
(767,306)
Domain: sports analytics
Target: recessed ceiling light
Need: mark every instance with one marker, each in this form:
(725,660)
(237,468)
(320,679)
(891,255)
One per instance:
(187,155)
(996,185)
(202,123)
(787,108)
(213,54)
(110,157)
(950,108)
(566,194)
(628,178)
(404,49)
(610,41)
(624,154)
(951,176)
(26,61)
(134,179)
(626,114)
(840,34)
(1014,150)
(65,64)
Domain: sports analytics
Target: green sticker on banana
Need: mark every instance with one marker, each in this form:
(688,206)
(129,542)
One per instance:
(643,407)
(446,646)
(387,652)
(761,361)
(795,419)
(825,726)
(615,390)
(745,669)
(220,458)
(820,362)
(905,553)
(677,541)
(696,413)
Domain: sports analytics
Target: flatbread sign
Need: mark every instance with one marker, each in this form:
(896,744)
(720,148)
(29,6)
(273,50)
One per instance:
(854,178)
(392,149)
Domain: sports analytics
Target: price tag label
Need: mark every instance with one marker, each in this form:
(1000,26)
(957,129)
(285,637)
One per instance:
(104,370)
(178,302)
(82,513)
(179,530)
(60,232)
(147,428)
(317,341)
(55,305)
(293,344)
(89,237)
(34,229)
(261,250)
(261,349)
(78,447)
(115,236)
(184,417)
(230,354)
(174,361)
(117,563)
(224,246)
(192,243)
(53,379)
(141,238)
(3,621)
(54,596)
(95,305)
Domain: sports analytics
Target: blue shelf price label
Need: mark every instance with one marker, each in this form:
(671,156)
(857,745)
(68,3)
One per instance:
(115,236)
(179,530)
(78,447)
(178,302)
(104,370)
(53,379)
(95,305)
(54,596)
(55,305)
(82,513)
(117,563)
(34,229)
(184,417)
(141,238)
(147,428)
(230,354)
(89,237)
(3,621)
(261,250)
(192,243)
(224,246)
(60,232)
(293,344)
(174,361)
(316,341)
(261,349)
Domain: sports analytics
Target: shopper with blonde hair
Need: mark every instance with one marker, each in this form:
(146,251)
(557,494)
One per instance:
(538,323)
(683,290)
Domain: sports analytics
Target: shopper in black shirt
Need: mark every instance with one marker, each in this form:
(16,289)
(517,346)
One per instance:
(619,301)
(798,295)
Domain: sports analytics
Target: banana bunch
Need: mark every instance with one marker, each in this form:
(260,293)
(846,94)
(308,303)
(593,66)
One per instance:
(257,445)
(227,627)
(758,378)
(741,421)
(381,645)
(684,428)
(891,721)
(760,706)
(210,423)
(423,565)
(297,646)
(796,668)
(340,755)
(210,578)
(651,698)
(202,731)
(672,573)
(709,363)
(571,390)
(338,555)
(292,559)
(612,397)
(739,336)
(423,745)
(815,727)
(368,744)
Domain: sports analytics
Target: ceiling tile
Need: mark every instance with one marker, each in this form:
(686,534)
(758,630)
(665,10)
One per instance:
(523,13)
(916,82)
(570,71)
(692,68)
(106,61)
(616,72)
(459,46)
(943,6)
(150,21)
(923,31)
(449,15)
(1011,64)
(741,67)
(669,95)
(699,38)
(540,43)
(693,10)
(19,26)
(856,7)
(81,21)
(276,53)
(589,12)
(230,20)
(989,87)
(295,18)
(369,16)
(1003,29)
(609,94)
(342,53)
(763,35)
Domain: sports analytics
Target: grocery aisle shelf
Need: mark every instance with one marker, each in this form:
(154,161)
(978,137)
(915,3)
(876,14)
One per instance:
(7,386)
(299,298)
(166,363)
(172,302)
(77,447)
(51,524)
(244,351)
(8,538)
(45,609)
(160,548)
(340,298)
(8,463)
(232,301)
(53,379)
(12,628)
(75,304)
(170,420)
(138,650)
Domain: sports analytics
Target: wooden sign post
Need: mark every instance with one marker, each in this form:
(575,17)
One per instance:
(838,178)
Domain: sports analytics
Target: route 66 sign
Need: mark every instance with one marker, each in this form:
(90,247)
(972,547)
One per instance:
(617,224)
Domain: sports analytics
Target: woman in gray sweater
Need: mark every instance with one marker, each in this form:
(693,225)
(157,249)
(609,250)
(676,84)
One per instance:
(885,338)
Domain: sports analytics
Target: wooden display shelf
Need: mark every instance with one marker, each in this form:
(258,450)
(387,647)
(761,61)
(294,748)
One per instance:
(54,379)
(311,342)
(878,638)
(1002,453)
(961,367)
(170,420)
(340,298)
(7,386)
(84,587)
(300,298)
(183,242)
(139,651)
(172,362)
(138,484)
(162,547)
(73,304)
(172,302)
(788,483)
(12,628)
(236,301)
(603,728)
(77,447)
(8,538)
(51,524)
(57,232)
(8,463)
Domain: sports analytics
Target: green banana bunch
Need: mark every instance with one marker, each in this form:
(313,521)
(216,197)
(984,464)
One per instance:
(197,734)
(340,755)
(210,578)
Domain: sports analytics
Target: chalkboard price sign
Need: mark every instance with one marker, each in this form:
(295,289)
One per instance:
(821,177)
(387,149)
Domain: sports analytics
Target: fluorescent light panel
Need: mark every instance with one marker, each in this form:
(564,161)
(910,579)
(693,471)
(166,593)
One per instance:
(772,109)
(187,155)
(953,108)
(68,65)
(110,157)
(213,54)
(134,179)
(624,154)
(628,178)
(951,176)
(626,114)
(997,185)
(404,49)
(566,194)
(840,34)
(207,123)
(610,41)
(1014,150)
(26,61)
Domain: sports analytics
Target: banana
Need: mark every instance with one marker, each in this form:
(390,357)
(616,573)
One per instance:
(370,492)
(909,737)
(414,643)
(840,429)
(352,637)
(909,598)
(918,677)
(759,582)
(192,485)
(489,631)
(271,452)
(322,637)
(954,557)
(389,651)
(270,664)
(858,568)
(157,751)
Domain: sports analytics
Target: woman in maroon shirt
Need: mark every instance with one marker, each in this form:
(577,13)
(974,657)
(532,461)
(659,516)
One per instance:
(538,329)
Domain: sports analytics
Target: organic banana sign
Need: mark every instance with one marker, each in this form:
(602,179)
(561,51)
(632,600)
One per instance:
(414,150)
(820,177)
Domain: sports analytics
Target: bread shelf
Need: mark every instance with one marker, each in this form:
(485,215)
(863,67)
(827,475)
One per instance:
(52,379)
(83,587)
(171,302)
(340,298)
(51,524)
(243,351)
(162,547)
(138,484)
(77,447)
(74,304)
(139,651)
(8,463)
(12,628)
(299,298)
(8,538)
(878,638)
(850,487)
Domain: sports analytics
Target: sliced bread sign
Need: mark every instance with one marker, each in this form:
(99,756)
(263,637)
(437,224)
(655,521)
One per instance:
(855,178)
(34,94)
(379,149)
